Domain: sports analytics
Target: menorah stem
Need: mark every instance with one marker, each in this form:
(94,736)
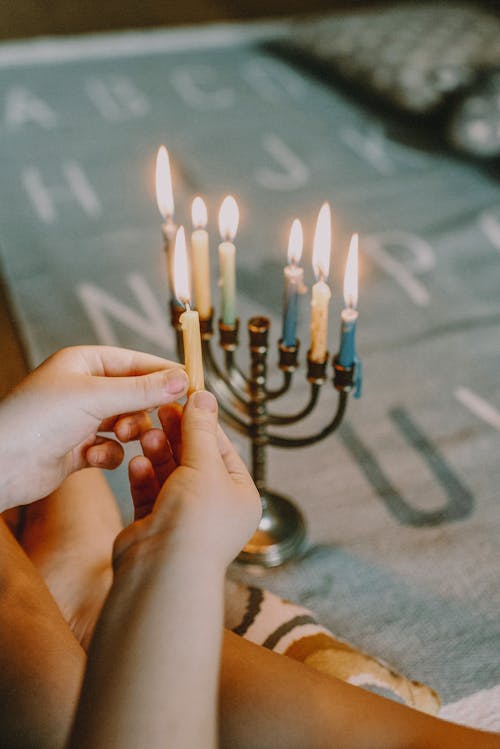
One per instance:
(281,531)
(258,328)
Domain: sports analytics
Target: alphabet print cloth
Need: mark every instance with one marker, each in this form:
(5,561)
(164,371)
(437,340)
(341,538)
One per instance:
(402,503)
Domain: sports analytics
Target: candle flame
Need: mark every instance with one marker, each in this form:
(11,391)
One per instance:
(295,242)
(199,213)
(181,270)
(351,274)
(228,218)
(164,194)
(322,242)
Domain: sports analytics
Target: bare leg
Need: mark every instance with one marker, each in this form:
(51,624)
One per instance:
(41,663)
(69,537)
(270,701)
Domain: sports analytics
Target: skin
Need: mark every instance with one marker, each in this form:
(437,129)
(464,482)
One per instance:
(192,518)
(67,404)
(169,568)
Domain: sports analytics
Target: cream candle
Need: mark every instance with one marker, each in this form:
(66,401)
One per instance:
(165,202)
(189,320)
(201,259)
(321,293)
(228,225)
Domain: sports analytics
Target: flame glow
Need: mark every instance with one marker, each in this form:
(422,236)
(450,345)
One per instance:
(351,275)
(199,215)
(164,194)
(322,242)
(181,270)
(295,242)
(229,216)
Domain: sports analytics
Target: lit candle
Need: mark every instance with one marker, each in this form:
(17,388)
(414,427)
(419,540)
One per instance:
(347,354)
(165,201)
(189,320)
(294,276)
(320,292)
(201,262)
(228,225)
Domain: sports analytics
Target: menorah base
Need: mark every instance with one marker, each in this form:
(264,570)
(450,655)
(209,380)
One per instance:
(280,535)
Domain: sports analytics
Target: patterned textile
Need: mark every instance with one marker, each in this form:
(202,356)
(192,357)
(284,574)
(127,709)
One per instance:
(291,630)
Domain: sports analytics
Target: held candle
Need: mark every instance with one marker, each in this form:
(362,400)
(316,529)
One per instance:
(189,320)
(320,292)
(347,354)
(228,225)
(294,276)
(165,201)
(201,261)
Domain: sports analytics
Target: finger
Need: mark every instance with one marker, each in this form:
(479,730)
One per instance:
(132,426)
(170,418)
(112,361)
(104,453)
(235,466)
(199,432)
(111,395)
(156,448)
(143,485)
(107,425)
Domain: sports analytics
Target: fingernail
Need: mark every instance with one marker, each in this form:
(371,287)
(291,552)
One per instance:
(177,381)
(204,400)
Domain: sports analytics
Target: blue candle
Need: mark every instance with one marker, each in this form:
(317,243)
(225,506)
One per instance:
(347,354)
(294,276)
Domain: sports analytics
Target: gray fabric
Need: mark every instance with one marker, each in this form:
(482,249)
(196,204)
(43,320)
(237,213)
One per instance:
(403,503)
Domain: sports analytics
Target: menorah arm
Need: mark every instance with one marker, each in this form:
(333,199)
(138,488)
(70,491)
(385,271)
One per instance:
(212,366)
(235,372)
(282,419)
(277,441)
(287,381)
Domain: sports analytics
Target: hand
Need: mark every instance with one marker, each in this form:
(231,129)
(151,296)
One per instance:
(50,423)
(191,489)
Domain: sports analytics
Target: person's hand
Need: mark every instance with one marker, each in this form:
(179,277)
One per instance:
(51,424)
(190,489)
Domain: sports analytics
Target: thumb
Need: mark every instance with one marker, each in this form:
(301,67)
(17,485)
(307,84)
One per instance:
(199,431)
(115,395)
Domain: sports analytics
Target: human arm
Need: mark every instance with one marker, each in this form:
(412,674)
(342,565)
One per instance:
(154,661)
(65,404)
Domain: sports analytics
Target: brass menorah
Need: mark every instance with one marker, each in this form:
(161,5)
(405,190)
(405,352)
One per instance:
(244,403)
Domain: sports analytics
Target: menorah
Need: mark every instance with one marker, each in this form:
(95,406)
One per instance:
(244,401)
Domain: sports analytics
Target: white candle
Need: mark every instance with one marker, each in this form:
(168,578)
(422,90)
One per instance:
(321,293)
(228,225)
(165,202)
(201,259)
(189,320)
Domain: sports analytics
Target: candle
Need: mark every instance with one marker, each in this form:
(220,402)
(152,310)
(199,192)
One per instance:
(294,276)
(189,320)
(201,261)
(320,292)
(165,201)
(349,316)
(228,225)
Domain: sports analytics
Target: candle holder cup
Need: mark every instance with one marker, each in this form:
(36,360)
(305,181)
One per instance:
(244,401)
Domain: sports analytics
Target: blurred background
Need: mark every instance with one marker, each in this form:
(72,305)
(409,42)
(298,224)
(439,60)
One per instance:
(26,18)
